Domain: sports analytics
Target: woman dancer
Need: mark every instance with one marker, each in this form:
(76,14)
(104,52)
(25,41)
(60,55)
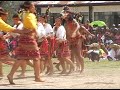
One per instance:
(50,40)
(27,47)
(62,49)
(19,25)
(4,53)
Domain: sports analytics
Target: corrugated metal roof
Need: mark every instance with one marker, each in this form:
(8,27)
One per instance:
(56,2)
(70,2)
(61,3)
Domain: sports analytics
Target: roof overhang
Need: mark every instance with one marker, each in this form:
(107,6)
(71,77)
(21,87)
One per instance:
(74,3)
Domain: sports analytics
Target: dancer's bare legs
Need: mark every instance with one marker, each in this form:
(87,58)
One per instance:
(16,65)
(50,66)
(62,62)
(69,62)
(77,50)
(42,65)
(29,63)
(23,68)
(1,69)
(13,70)
(36,64)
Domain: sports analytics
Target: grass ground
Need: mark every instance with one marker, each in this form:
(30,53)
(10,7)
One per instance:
(97,75)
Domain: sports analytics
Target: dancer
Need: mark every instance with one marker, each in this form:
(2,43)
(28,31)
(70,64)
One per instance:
(19,25)
(62,49)
(27,47)
(73,30)
(50,39)
(43,45)
(4,53)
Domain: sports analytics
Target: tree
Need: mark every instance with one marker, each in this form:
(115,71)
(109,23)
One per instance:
(11,7)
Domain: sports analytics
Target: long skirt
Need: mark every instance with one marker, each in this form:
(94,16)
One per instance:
(27,47)
(62,50)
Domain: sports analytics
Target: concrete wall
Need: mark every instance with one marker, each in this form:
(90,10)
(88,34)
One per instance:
(107,8)
(59,9)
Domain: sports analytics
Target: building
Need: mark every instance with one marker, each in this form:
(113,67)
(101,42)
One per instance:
(107,11)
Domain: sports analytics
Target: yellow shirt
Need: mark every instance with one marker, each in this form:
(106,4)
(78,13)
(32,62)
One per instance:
(5,27)
(29,21)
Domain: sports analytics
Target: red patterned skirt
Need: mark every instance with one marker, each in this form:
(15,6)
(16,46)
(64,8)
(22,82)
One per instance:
(44,52)
(3,48)
(51,45)
(27,48)
(62,50)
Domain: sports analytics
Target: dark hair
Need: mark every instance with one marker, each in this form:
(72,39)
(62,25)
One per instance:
(26,5)
(15,16)
(70,17)
(43,16)
(59,18)
(66,8)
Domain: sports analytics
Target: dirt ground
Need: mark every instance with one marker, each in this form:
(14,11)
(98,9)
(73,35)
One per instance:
(90,79)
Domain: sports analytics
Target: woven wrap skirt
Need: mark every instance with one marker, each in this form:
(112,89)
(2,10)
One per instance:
(51,45)
(3,48)
(62,50)
(27,47)
(44,49)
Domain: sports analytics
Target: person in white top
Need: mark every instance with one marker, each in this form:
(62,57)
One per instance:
(47,45)
(61,33)
(41,32)
(12,37)
(62,49)
(114,53)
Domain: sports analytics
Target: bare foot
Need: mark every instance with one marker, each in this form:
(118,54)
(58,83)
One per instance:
(50,74)
(38,80)
(10,80)
(21,75)
(69,72)
(57,68)
(63,72)
(47,71)
(81,71)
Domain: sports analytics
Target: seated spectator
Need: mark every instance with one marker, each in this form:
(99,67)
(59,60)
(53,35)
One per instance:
(114,53)
(117,38)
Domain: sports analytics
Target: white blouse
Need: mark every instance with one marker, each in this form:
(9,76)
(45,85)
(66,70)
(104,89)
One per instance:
(41,31)
(60,33)
(20,26)
(48,29)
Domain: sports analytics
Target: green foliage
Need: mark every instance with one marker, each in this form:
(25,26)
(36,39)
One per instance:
(11,7)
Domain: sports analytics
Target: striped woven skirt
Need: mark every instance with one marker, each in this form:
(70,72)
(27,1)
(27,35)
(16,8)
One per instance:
(62,50)
(51,45)
(44,52)
(3,48)
(27,48)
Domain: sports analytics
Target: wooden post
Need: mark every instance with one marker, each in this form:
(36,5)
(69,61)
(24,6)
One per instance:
(90,13)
